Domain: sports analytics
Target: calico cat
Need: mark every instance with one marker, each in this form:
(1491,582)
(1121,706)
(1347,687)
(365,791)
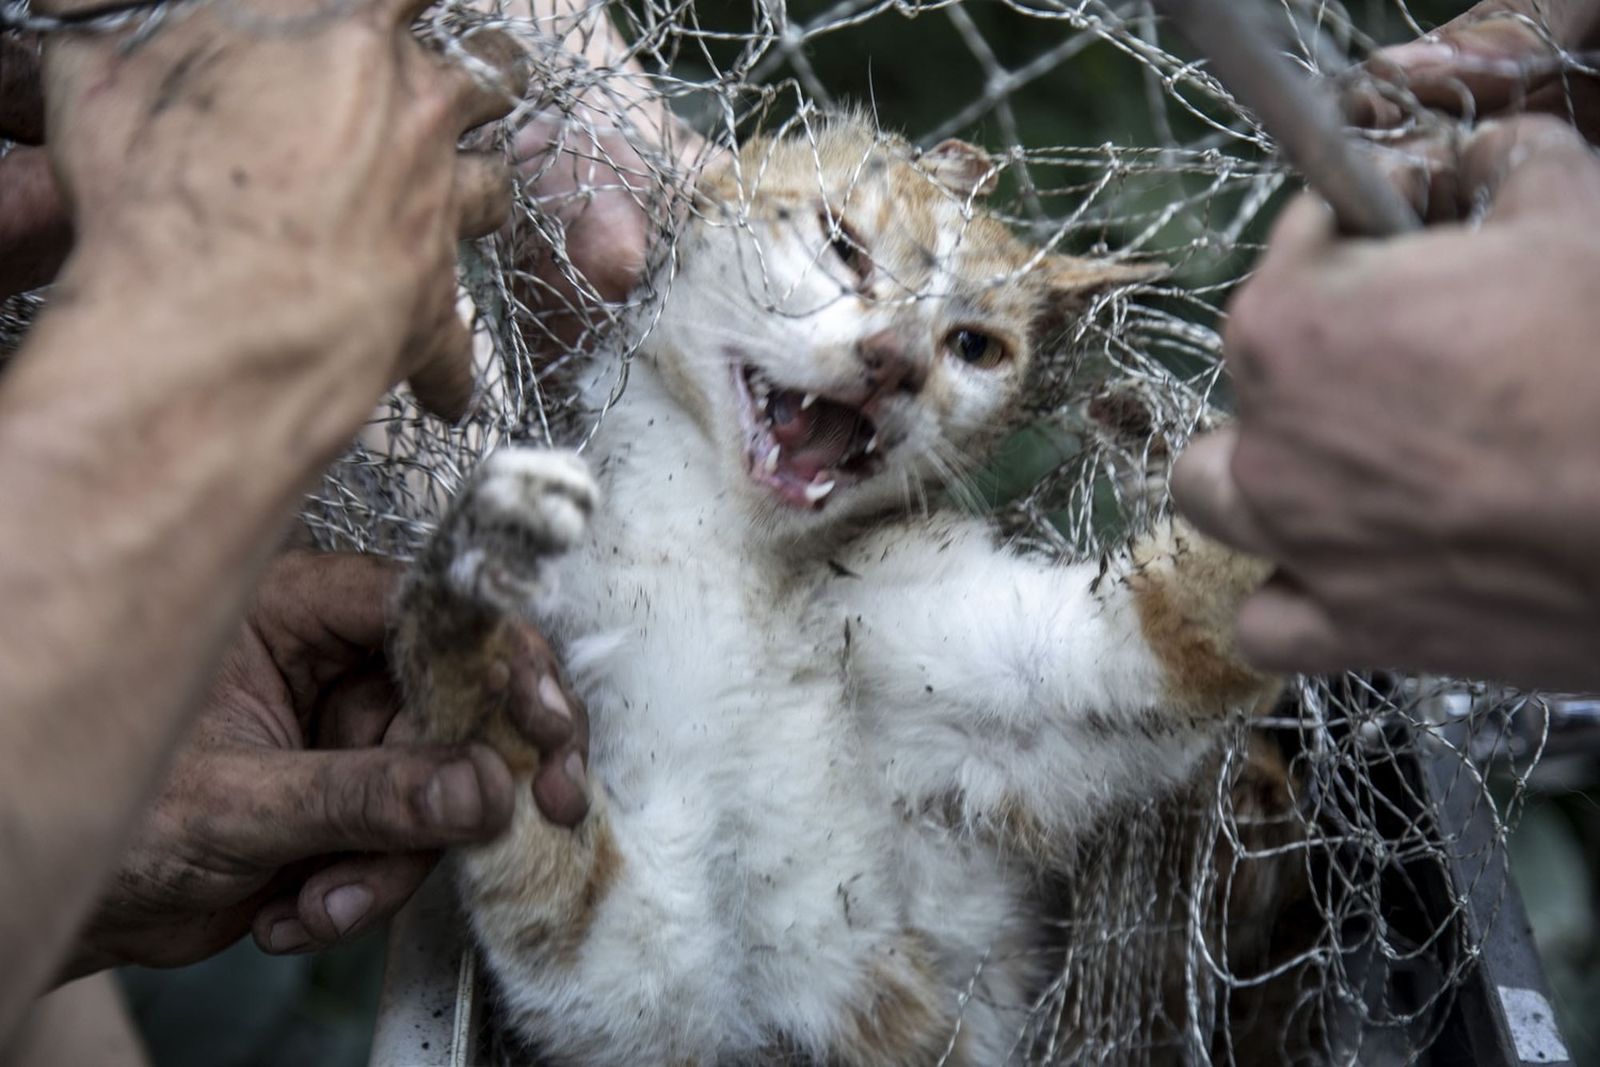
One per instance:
(837,738)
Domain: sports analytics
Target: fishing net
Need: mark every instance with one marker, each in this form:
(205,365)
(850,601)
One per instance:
(1324,893)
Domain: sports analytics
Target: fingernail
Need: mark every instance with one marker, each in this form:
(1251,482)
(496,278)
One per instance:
(554,700)
(574,769)
(347,905)
(454,800)
(287,935)
(1419,54)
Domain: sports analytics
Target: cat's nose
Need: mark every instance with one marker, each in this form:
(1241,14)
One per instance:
(889,366)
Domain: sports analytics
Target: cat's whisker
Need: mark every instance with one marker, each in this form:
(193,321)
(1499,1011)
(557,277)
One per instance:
(953,472)
(920,488)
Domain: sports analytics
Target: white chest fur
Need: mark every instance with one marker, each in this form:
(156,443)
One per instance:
(770,861)
(828,781)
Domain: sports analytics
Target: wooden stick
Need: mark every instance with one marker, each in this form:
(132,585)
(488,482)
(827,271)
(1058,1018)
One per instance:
(1302,118)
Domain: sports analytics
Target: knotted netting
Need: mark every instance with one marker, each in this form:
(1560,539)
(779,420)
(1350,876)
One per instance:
(1325,890)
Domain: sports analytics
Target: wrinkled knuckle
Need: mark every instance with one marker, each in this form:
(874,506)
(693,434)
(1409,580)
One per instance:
(199,804)
(298,569)
(367,805)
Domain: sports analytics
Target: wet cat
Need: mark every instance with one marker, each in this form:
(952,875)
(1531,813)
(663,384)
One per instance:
(838,739)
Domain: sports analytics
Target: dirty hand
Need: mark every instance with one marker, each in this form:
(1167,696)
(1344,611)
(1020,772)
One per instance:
(284,814)
(1417,447)
(255,156)
(1501,56)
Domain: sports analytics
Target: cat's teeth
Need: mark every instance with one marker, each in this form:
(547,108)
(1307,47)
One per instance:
(872,445)
(771,463)
(807,400)
(817,490)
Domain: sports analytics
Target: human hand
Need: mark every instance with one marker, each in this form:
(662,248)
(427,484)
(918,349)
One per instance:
(1498,57)
(281,814)
(592,188)
(599,168)
(1417,446)
(252,157)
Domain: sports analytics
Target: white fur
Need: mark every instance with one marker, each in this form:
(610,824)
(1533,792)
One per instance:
(552,491)
(798,764)
(762,780)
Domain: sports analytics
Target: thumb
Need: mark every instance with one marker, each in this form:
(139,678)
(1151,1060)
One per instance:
(283,807)
(1205,493)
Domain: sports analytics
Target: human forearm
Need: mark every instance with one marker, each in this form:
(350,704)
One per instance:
(266,231)
(148,462)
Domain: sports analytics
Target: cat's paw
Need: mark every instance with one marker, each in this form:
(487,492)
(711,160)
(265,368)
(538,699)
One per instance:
(546,496)
(523,506)
(1188,589)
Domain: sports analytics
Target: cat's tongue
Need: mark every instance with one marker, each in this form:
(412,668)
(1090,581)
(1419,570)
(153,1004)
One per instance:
(814,439)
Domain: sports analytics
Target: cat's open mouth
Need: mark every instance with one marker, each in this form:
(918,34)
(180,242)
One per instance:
(800,445)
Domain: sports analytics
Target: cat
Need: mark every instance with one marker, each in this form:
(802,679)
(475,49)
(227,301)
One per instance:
(839,735)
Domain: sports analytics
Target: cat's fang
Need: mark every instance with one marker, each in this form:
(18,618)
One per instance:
(816,491)
(807,400)
(871,446)
(770,464)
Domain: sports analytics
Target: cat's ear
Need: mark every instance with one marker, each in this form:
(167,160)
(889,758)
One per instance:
(1071,280)
(964,169)
(715,183)
(1071,283)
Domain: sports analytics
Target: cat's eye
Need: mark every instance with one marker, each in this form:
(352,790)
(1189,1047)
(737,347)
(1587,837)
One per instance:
(976,348)
(844,244)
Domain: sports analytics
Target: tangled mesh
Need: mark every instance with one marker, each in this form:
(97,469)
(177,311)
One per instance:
(1317,897)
